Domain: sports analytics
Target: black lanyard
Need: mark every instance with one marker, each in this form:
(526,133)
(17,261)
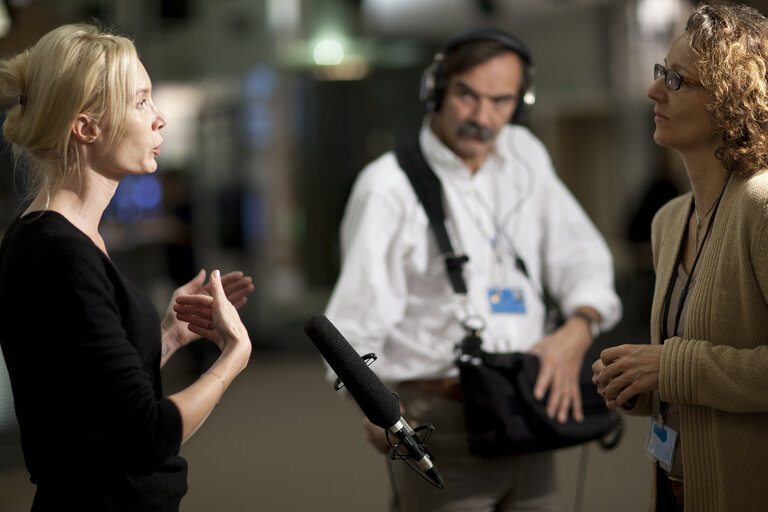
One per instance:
(684,293)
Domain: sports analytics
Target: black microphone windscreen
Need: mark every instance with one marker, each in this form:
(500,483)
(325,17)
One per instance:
(378,403)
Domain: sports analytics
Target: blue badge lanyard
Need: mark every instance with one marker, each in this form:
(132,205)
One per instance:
(493,237)
(498,227)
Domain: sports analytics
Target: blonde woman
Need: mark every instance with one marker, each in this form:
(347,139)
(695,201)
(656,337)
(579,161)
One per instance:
(82,344)
(703,380)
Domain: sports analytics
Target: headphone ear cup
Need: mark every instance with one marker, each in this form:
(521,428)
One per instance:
(521,111)
(527,98)
(430,94)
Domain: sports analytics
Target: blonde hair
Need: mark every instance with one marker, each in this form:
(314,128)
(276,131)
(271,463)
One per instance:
(730,44)
(71,70)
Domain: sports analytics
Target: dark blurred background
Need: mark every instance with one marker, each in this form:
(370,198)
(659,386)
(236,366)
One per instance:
(274,106)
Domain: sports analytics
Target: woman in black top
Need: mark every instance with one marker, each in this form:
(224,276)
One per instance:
(82,344)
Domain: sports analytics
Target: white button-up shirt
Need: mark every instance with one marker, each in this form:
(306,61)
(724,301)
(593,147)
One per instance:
(393,296)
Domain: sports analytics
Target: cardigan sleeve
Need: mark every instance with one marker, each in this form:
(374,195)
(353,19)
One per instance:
(718,376)
(722,361)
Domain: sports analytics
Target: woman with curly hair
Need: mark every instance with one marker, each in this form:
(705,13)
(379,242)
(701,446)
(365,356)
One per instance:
(704,377)
(82,344)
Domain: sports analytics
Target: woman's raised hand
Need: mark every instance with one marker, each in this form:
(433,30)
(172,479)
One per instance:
(214,316)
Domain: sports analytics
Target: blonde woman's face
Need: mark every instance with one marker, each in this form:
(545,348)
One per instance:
(682,119)
(135,151)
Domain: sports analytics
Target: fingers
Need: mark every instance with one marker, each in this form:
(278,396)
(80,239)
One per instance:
(578,413)
(193,304)
(195,285)
(558,381)
(217,288)
(223,310)
(603,375)
(199,279)
(198,324)
(197,312)
(558,402)
(597,366)
(617,390)
(237,287)
(616,398)
(239,296)
(564,399)
(231,277)
(543,381)
(609,355)
(213,316)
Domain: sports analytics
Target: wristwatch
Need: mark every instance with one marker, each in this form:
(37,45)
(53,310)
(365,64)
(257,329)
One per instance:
(594,325)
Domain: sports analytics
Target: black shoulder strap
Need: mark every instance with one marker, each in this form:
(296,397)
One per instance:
(428,189)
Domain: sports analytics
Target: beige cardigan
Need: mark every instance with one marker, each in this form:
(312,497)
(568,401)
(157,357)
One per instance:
(718,372)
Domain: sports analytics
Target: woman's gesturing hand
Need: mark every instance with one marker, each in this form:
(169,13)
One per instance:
(176,333)
(213,316)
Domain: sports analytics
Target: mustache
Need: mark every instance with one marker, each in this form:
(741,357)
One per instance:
(475,131)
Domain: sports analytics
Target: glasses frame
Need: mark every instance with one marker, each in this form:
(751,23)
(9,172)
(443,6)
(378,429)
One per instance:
(672,79)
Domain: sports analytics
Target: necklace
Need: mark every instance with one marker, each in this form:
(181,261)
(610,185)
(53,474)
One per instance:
(699,250)
(699,219)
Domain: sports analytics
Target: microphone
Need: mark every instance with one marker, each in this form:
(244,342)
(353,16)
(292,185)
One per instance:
(379,404)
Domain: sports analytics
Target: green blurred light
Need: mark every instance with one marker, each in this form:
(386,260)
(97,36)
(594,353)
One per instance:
(328,52)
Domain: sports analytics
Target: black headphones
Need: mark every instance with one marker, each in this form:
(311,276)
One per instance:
(433,83)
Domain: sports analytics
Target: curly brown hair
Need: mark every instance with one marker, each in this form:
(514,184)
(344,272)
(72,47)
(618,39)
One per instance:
(730,44)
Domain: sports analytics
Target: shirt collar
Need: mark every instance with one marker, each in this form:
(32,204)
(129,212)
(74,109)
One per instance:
(439,155)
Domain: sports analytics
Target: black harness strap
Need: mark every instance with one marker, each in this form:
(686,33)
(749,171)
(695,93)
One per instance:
(428,189)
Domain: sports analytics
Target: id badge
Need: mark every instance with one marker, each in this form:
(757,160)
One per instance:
(506,300)
(661,444)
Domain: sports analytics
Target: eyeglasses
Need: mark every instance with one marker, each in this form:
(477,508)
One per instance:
(672,79)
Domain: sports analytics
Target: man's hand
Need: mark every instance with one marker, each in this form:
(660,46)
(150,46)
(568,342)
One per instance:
(561,355)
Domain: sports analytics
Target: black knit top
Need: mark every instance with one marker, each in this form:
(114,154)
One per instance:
(82,347)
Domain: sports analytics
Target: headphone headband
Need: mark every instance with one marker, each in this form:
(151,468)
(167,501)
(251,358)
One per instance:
(432,92)
(492,35)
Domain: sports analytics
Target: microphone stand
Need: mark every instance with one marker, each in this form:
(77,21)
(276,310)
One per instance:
(425,468)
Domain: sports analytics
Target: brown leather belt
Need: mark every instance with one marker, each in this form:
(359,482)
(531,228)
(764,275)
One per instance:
(448,388)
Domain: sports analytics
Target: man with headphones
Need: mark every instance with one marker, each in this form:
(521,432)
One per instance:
(504,205)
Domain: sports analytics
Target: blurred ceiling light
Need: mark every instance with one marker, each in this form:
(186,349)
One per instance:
(5,20)
(181,103)
(284,15)
(328,52)
(657,16)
